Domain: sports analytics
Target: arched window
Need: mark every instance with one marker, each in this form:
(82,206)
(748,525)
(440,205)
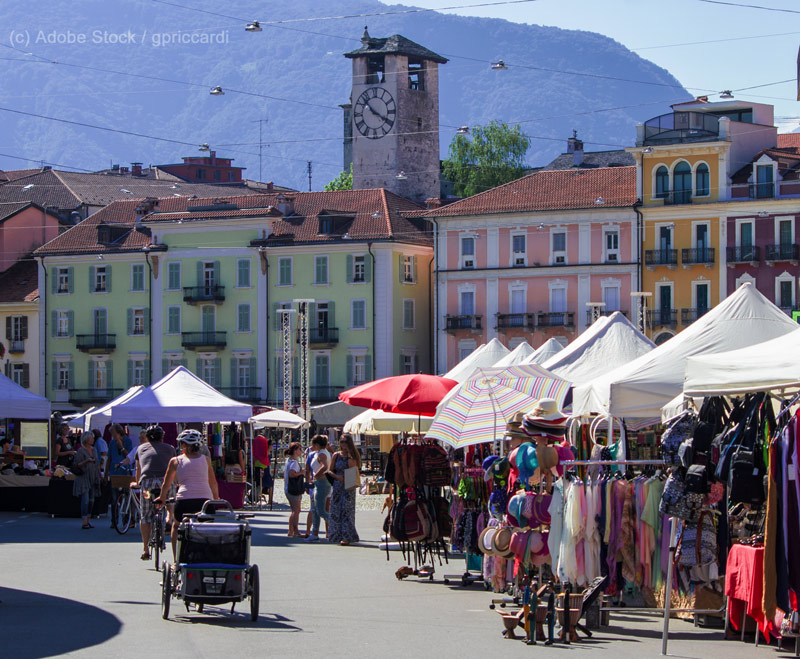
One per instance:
(662,182)
(701,181)
(682,183)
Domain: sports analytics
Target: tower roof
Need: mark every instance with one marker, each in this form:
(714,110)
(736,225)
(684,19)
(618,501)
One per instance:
(394,45)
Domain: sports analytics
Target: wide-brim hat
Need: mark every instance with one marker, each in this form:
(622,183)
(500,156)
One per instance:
(485,540)
(545,418)
(514,426)
(501,542)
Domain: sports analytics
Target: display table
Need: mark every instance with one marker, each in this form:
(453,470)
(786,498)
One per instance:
(233,493)
(62,503)
(28,493)
(744,585)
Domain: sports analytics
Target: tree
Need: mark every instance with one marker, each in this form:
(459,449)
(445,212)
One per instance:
(342,182)
(492,157)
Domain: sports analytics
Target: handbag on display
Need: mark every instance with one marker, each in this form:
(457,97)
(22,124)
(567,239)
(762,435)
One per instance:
(746,479)
(698,543)
(673,493)
(679,430)
(696,480)
(352,478)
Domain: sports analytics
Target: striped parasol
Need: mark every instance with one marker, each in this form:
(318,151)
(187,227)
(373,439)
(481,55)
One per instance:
(476,411)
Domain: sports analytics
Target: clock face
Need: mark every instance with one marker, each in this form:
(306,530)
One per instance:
(374,113)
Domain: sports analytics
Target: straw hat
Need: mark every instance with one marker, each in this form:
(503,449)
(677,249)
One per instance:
(545,418)
(514,427)
(501,543)
(485,543)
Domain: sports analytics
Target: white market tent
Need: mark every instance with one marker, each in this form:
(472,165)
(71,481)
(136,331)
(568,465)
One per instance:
(773,364)
(180,396)
(375,422)
(334,414)
(608,343)
(484,356)
(547,350)
(639,389)
(18,403)
(96,418)
(517,356)
(278,419)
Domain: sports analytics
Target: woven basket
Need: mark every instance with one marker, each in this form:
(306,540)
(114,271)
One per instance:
(122,482)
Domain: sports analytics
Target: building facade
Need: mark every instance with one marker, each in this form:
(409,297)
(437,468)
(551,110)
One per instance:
(145,285)
(534,259)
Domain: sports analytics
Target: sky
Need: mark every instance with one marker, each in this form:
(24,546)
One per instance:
(708,47)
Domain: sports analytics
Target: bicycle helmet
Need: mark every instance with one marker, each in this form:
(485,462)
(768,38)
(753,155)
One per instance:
(155,433)
(190,437)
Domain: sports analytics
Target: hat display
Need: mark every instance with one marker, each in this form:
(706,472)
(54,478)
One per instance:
(514,426)
(519,544)
(485,540)
(501,543)
(545,418)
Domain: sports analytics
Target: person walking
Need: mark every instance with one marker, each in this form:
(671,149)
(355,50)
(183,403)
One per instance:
(87,477)
(193,473)
(322,487)
(152,459)
(293,485)
(343,501)
(118,449)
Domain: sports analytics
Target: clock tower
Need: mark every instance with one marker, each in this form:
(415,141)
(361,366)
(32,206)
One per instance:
(392,121)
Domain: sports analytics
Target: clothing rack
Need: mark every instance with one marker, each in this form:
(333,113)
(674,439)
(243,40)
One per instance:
(602,463)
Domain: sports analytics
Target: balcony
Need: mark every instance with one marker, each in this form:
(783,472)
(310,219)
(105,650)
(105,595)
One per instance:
(322,336)
(96,344)
(243,394)
(743,254)
(654,257)
(195,294)
(786,252)
(16,346)
(92,396)
(603,312)
(680,127)
(516,321)
(555,319)
(466,322)
(697,256)
(762,191)
(688,316)
(662,317)
(203,340)
(676,197)
(320,394)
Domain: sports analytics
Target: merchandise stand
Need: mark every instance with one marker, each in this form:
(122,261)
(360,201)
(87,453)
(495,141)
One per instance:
(469,577)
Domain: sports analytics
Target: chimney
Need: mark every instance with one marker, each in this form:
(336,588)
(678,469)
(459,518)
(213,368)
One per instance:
(285,205)
(123,170)
(270,186)
(114,167)
(433,202)
(136,168)
(575,147)
(213,156)
(144,208)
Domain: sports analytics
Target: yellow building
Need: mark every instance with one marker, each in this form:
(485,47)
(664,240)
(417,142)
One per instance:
(684,163)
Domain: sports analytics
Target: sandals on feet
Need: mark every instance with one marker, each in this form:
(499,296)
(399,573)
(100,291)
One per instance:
(87,526)
(145,556)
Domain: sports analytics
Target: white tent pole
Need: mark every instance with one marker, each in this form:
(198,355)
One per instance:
(668,586)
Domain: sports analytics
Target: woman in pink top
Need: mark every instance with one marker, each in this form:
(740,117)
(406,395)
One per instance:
(194,476)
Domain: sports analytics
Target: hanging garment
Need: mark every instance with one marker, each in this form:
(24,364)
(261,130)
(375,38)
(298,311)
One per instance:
(628,549)
(592,532)
(556,512)
(652,518)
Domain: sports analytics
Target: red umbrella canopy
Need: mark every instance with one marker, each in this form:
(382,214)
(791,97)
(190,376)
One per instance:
(405,394)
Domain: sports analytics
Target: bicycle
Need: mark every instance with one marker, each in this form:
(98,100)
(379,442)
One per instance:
(128,509)
(158,541)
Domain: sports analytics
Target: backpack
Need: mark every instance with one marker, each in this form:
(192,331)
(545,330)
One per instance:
(442,513)
(436,470)
(416,521)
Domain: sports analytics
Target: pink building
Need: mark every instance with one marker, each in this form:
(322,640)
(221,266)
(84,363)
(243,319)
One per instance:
(524,261)
(24,226)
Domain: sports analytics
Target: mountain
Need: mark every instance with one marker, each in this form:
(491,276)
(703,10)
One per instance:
(295,60)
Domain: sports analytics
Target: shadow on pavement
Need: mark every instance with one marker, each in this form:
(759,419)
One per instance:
(70,625)
(221,617)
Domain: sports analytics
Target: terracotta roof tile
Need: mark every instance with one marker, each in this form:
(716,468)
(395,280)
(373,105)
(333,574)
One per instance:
(787,157)
(14,174)
(19,283)
(788,140)
(550,190)
(9,209)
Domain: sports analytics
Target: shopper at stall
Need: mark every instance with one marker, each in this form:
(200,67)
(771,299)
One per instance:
(152,460)
(64,450)
(310,453)
(87,477)
(195,479)
(322,487)
(101,450)
(343,501)
(118,450)
(293,485)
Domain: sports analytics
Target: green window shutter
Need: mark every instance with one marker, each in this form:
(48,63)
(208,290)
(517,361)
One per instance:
(53,323)
(414,268)
(199,273)
(331,314)
(130,322)
(53,375)
(312,314)
(8,369)
(91,279)
(368,367)
(184,362)
(164,365)
(54,281)
(8,328)
(24,328)
(416,363)
(147,372)
(110,374)
(130,373)
(217,279)
(401,269)
(234,379)
(253,375)
(70,323)
(349,370)
(400,367)
(70,271)
(108,278)
(349,268)
(367,268)
(198,367)
(217,371)
(91,368)
(71,375)
(147,321)
(26,376)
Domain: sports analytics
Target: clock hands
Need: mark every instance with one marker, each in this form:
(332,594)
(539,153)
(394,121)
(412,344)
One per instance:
(376,113)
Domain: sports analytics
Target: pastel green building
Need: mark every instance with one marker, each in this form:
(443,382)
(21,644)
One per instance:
(143,286)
